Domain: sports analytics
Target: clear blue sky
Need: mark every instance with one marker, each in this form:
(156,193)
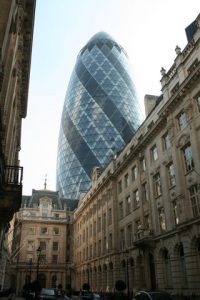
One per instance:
(148,30)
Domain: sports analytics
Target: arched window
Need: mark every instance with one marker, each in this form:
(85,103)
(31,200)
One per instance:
(182,265)
(167,268)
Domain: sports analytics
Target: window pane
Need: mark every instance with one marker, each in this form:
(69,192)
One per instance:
(187,152)
(182,120)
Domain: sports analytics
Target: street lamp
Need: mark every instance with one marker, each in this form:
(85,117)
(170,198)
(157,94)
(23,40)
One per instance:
(30,269)
(88,275)
(38,261)
(127,273)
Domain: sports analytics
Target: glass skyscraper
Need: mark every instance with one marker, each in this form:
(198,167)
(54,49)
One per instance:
(100,114)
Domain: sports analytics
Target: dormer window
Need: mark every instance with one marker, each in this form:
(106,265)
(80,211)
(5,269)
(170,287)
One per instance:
(45,205)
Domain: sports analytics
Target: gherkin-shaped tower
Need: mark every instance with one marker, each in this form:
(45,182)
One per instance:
(100,114)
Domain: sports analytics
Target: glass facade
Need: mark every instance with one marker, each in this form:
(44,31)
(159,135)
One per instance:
(100,114)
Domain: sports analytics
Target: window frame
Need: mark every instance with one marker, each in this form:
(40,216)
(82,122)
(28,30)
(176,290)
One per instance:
(182,120)
(166,141)
(171,174)
(188,157)
(157,186)
(154,153)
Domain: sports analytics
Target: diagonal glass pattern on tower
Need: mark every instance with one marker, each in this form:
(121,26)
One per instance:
(100,114)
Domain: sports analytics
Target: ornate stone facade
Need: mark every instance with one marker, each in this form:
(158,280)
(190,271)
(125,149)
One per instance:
(16,32)
(140,221)
(44,220)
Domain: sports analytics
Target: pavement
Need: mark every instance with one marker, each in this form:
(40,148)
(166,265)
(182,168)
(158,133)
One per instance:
(15,298)
(21,298)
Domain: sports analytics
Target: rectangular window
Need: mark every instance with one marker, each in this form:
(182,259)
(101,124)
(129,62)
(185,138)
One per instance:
(166,141)
(55,230)
(157,185)
(136,199)
(99,224)
(146,222)
(43,230)
(194,198)
(121,211)
(171,174)
(145,192)
(94,228)
(175,212)
(129,236)
(154,153)
(104,221)
(126,180)
(109,216)
(86,234)
(99,247)
(30,246)
(134,172)
(162,222)
(119,186)
(55,246)
(43,245)
(56,216)
(182,120)
(143,162)
(94,249)
(122,239)
(54,259)
(104,244)
(187,153)
(90,229)
(128,205)
(110,242)
(31,230)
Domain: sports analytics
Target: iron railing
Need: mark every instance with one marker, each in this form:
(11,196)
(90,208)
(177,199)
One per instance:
(13,175)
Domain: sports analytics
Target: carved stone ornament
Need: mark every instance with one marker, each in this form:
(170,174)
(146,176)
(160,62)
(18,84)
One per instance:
(178,50)
(163,71)
(182,140)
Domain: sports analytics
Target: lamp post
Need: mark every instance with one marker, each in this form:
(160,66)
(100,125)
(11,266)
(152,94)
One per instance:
(127,273)
(38,261)
(30,269)
(88,275)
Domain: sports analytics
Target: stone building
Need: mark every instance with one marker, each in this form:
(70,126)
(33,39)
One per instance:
(16,33)
(44,222)
(140,221)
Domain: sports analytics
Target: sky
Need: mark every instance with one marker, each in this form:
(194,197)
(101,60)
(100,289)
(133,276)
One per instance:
(148,30)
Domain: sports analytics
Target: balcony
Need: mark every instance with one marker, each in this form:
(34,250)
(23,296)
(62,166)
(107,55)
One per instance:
(144,239)
(10,191)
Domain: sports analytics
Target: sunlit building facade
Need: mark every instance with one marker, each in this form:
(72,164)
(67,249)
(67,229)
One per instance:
(140,221)
(100,114)
(43,222)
